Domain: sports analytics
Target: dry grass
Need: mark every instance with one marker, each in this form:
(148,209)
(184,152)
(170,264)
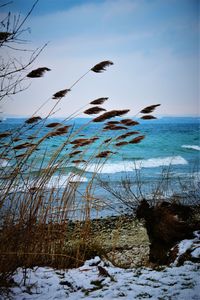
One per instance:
(34,224)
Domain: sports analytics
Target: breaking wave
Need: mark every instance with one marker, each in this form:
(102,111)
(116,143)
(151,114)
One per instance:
(194,147)
(129,166)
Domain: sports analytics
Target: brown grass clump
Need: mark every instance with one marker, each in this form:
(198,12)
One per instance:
(137,140)
(4,134)
(129,122)
(22,146)
(113,122)
(16,139)
(79,141)
(4,35)
(52,125)
(83,142)
(39,72)
(123,136)
(114,127)
(94,110)
(33,120)
(60,94)
(149,109)
(74,153)
(111,114)
(107,140)
(121,144)
(104,154)
(59,131)
(78,161)
(100,67)
(148,117)
(99,101)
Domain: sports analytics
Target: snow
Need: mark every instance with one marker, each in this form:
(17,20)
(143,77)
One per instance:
(192,246)
(86,282)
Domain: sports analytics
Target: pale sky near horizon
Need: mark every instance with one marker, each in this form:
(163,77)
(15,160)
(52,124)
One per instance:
(154,45)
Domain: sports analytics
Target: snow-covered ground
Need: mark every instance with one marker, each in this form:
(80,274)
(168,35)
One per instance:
(89,282)
(98,279)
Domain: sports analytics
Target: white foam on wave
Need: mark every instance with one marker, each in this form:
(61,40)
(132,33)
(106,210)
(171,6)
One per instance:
(4,163)
(54,182)
(129,166)
(194,147)
(60,181)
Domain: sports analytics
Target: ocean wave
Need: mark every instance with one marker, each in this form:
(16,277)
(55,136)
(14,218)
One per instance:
(54,182)
(60,181)
(194,147)
(129,166)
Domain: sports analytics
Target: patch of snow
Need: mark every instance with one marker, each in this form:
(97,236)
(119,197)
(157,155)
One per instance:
(196,252)
(184,246)
(191,246)
(87,282)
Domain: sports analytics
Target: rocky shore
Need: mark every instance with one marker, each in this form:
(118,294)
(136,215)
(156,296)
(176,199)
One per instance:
(123,240)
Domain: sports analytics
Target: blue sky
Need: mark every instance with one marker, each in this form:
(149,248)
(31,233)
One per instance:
(153,44)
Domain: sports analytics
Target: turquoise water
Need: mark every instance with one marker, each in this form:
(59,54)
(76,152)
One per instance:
(171,145)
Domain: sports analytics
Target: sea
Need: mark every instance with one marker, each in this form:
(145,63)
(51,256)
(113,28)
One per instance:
(165,164)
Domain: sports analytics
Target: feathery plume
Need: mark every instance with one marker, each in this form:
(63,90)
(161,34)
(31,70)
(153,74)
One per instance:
(52,125)
(100,67)
(149,109)
(39,72)
(78,141)
(137,140)
(148,117)
(22,146)
(59,131)
(123,136)
(110,114)
(129,122)
(114,127)
(78,161)
(33,120)
(4,134)
(121,144)
(104,154)
(107,140)
(74,153)
(60,94)
(99,101)
(94,110)
(4,35)
(112,122)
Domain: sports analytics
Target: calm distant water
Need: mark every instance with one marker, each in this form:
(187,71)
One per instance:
(171,146)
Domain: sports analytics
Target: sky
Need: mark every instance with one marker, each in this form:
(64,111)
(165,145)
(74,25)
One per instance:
(154,45)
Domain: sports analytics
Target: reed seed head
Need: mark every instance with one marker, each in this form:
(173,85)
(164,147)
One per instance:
(121,144)
(100,67)
(60,94)
(137,140)
(148,117)
(4,134)
(110,114)
(104,154)
(129,122)
(99,101)
(94,110)
(52,125)
(149,109)
(39,72)
(33,120)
